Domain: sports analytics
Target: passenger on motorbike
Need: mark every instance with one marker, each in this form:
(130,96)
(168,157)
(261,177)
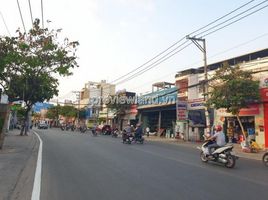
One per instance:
(219,137)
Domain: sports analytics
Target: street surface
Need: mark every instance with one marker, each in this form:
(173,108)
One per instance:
(81,166)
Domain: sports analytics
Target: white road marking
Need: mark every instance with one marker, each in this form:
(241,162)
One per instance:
(38,171)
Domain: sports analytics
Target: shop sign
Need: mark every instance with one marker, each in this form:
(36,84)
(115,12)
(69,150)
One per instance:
(181,110)
(197,104)
(264,94)
(251,110)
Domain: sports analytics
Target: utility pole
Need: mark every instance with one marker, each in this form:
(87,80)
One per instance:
(205,91)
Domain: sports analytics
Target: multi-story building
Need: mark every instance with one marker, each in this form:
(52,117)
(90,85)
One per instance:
(93,96)
(190,107)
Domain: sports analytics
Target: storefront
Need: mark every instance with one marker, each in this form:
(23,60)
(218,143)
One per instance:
(157,111)
(264,126)
(197,119)
(251,119)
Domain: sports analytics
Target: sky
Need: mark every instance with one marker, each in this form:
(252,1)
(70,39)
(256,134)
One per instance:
(117,36)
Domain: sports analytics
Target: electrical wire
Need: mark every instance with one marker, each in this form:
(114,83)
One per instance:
(4,21)
(149,67)
(231,18)
(240,7)
(21,16)
(235,21)
(30,7)
(214,55)
(42,12)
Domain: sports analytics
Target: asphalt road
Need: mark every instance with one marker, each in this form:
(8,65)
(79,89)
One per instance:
(80,166)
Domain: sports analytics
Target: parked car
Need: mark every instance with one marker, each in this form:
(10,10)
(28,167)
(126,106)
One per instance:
(42,125)
(106,130)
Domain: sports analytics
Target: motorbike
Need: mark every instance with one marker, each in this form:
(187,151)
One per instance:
(115,133)
(139,139)
(223,155)
(83,129)
(265,159)
(128,139)
(62,127)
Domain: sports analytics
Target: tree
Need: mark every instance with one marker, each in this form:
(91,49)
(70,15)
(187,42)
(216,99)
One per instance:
(30,63)
(233,89)
(53,112)
(68,111)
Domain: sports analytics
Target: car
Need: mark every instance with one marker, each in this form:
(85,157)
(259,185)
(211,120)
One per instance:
(42,125)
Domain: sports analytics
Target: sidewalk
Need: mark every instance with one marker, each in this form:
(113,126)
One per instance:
(17,166)
(237,148)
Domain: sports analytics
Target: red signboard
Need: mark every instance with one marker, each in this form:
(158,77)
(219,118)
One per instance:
(264,94)
(252,109)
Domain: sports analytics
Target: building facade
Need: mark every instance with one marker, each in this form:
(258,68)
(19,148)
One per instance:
(157,110)
(191,99)
(93,97)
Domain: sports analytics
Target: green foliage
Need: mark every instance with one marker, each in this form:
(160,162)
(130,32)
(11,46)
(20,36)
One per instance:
(53,112)
(30,63)
(21,112)
(233,89)
(68,111)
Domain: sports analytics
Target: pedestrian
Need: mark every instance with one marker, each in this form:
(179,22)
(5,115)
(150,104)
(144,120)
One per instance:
(147,131)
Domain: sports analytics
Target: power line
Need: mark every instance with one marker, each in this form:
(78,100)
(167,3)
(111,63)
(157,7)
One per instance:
(167,56)
(21,16)
(214,55)
(30,7)
(231,18)
(235,21)
(153,65)
(218,19)
(149,60)
(149,67)
(5,24)
(182,40)
(159,61)
(42,11)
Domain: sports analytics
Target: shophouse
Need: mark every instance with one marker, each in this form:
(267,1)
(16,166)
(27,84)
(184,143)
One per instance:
(190,98)
(157,110)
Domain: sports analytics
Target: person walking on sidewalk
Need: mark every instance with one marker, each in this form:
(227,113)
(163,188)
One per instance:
(147,131)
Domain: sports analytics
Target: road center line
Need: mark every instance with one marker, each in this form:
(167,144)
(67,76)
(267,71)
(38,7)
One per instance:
(37,178)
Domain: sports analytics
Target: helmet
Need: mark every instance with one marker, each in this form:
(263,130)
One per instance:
(218,128)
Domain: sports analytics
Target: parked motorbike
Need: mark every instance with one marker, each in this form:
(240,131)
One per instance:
(223,155)
(265,159)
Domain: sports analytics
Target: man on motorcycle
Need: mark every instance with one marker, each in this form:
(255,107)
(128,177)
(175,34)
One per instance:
(138,132)
(219,137)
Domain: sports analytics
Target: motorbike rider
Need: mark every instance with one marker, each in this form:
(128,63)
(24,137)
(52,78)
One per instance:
(126,132)
(138,132)
(219,137)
